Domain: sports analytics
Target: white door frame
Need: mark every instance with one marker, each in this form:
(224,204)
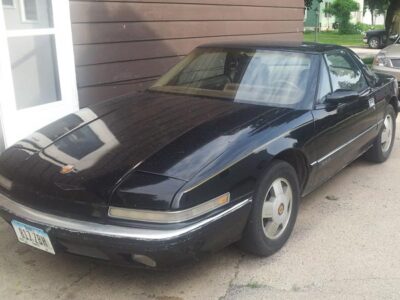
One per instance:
(18,123)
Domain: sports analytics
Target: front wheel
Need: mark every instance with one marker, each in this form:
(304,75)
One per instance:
(374,42)
(274,211)
(383,144)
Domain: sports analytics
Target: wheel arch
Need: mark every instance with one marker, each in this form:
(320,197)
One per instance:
(298,160)
(395,103)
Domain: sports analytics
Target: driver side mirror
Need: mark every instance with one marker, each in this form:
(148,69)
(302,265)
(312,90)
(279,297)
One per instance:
(341,97)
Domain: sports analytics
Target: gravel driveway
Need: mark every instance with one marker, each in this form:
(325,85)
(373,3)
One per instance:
(347,246)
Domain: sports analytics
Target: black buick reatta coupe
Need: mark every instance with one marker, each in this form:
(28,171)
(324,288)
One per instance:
(218,151)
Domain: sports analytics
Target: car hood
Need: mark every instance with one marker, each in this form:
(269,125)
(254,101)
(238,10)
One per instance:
(392,51)
(165,134)
(86,155)
(376,31)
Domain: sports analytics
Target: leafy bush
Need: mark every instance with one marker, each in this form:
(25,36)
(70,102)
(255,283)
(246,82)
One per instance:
(361,27)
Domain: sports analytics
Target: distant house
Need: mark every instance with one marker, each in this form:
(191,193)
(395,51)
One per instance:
(59,55)
(316,16)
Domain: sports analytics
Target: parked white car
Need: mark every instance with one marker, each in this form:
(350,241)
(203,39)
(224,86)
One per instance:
(388,60)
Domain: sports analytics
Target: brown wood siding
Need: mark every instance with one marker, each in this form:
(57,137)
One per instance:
(123,45)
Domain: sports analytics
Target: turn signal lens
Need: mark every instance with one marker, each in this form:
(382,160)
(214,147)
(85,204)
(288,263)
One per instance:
(6,183)
(169,216)
(222,200)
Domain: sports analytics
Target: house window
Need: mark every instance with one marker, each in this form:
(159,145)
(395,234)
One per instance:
(29,11)
(8,3)
(37,84)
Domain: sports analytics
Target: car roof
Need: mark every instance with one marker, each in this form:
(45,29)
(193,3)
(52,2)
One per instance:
(305,47)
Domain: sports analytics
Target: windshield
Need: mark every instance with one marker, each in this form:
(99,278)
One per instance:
(267,77)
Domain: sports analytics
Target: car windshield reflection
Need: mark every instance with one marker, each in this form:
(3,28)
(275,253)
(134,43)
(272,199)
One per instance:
(268,77)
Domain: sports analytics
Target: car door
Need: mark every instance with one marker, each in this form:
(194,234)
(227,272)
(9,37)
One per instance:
(343,131)
(379,92)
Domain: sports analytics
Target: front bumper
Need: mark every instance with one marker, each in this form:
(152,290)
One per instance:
(385,70)
(121,244)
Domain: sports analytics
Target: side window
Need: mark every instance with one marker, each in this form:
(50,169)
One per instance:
(324,83)
(371,77)
(345,74)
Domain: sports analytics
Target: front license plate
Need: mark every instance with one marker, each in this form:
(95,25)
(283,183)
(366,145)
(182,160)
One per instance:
(33,236)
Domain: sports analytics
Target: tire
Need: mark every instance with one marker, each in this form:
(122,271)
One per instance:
(374,42)
(258,237)
(383,144)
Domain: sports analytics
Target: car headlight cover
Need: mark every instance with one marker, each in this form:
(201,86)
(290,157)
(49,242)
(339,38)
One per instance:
(168,216)
(382,61)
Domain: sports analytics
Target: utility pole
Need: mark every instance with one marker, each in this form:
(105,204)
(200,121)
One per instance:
(317,24)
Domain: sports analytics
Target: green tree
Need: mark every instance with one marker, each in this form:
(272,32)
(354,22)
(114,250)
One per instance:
(376,6)
(383,6)
(342,10)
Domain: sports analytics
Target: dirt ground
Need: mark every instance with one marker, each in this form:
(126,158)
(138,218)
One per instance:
(348,248)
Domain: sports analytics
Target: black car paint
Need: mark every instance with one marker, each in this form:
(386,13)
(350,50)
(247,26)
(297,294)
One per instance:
(180,136)
(172,152)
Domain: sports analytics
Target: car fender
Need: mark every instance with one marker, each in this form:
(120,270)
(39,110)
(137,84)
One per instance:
(238,171)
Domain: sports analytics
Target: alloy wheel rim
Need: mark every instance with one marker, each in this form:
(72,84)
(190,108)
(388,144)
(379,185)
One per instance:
(374,43)
(277,208)
(387,132)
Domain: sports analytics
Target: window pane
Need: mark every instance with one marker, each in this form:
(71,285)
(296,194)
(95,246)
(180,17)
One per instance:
(324,85)
(34,70)
(345,74)
(28,14)
(371,77)
(30,10)
(9,3)
(197,70)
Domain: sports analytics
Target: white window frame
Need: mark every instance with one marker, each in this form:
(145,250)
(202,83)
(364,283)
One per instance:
(23,12)
(66,68)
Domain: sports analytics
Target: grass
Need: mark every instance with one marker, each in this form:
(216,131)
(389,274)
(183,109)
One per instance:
(353,40)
